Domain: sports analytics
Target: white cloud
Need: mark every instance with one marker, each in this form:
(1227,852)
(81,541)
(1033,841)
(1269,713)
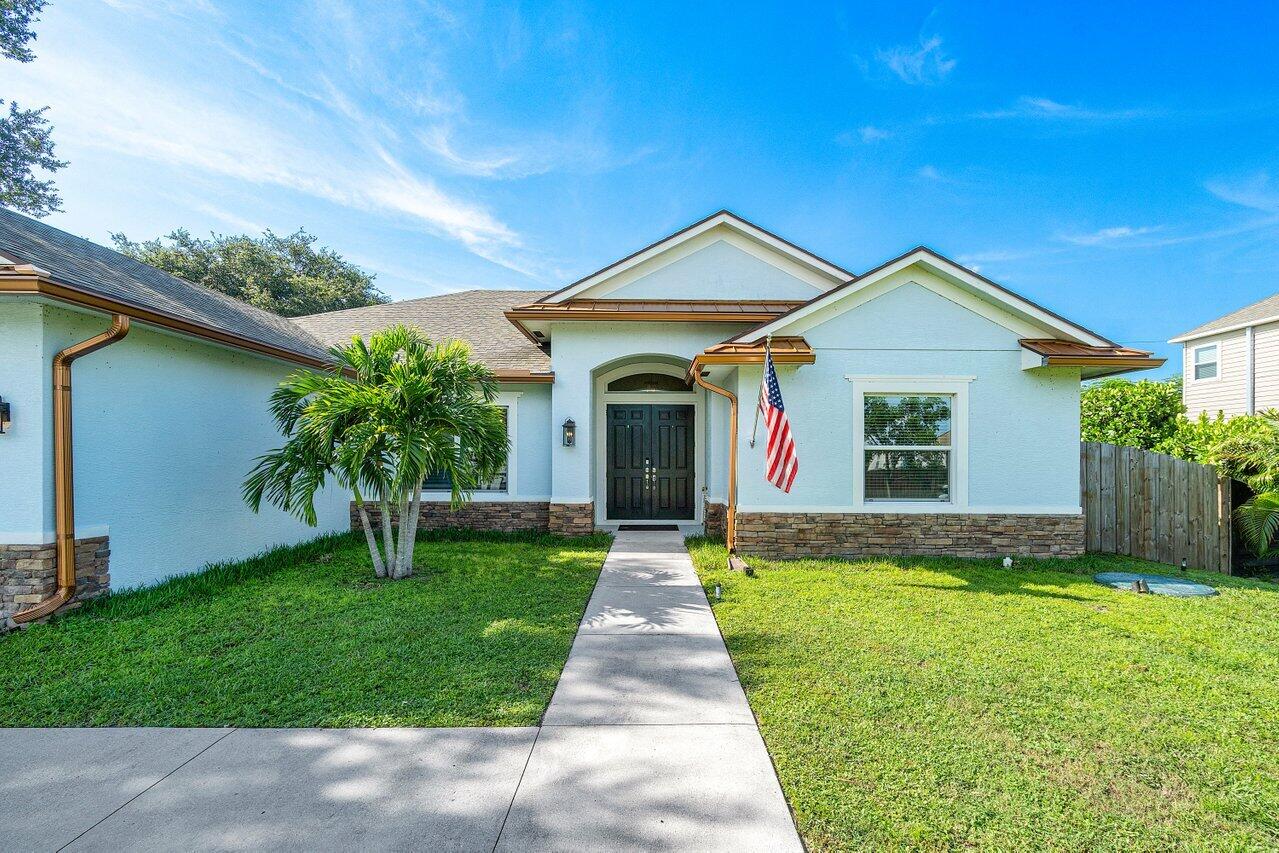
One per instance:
(1045,108)
(438,141)
(922,64)
(1108,236)
(247,226)
(99,102)
(870,133)
(929,173)
(1256,191)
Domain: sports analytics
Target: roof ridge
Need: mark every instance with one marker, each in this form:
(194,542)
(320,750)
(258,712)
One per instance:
(1224,322)
(415,299)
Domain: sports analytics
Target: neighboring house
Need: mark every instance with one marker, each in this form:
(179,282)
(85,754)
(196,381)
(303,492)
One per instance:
(1231,365)
(935,412)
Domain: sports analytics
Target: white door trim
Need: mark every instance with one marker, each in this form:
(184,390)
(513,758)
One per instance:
(600,435)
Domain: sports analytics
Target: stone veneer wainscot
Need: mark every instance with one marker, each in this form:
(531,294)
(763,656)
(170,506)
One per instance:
(500,516)
(716,519)
(28,574)
(573,519)
(815,534)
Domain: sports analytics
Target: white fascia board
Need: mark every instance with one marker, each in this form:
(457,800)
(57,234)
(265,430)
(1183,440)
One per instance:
(963,280)
(740,226)
(1181,339)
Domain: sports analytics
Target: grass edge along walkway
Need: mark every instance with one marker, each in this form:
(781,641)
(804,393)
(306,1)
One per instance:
(304,635)
(934,703)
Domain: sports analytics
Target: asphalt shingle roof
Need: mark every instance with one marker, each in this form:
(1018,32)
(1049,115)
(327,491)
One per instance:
(95,269)
(1262,310)
(474,316)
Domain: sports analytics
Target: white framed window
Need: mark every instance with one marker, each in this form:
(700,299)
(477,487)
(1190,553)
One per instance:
(1204,362)
(906,447)
(439,484)
(910,443)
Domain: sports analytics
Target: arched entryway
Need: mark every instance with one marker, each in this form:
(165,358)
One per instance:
(648,459)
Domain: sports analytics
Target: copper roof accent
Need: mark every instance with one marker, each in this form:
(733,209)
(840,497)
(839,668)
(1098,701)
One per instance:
(1055,348)
(687,310)
(786,350)
(1097,361)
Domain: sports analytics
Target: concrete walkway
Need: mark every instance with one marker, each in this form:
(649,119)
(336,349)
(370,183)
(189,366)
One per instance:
(648,744)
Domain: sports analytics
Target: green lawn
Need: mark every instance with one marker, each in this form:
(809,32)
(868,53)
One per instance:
(940,704)
(306,636)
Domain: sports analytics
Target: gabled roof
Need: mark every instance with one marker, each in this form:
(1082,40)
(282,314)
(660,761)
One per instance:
(53,263)
(1263,311)
(474,316)
(950,271)
(726,219)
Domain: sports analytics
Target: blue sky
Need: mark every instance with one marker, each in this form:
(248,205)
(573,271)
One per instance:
(1118,164)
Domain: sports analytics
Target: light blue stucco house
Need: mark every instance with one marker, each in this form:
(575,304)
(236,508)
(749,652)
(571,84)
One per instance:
(934,411)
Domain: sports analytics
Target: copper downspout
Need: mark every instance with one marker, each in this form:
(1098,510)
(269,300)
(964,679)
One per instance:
(63,481)
(731,537)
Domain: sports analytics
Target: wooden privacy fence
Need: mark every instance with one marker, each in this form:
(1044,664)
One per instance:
(1155,507)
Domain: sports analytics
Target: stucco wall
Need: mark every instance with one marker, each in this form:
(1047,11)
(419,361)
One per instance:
(577,350)
(166,429)
(26,473)
(717,270)
(1023,426)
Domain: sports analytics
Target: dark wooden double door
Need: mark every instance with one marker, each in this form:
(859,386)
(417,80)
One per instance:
(650,472)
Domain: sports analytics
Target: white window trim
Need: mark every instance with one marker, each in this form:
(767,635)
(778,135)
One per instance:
(956,387)
(1194,355)
(510,400)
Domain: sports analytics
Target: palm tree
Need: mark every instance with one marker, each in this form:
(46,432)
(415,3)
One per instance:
(1253,457)
(389,412)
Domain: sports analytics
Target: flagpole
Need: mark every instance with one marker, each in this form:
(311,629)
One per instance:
(768,351)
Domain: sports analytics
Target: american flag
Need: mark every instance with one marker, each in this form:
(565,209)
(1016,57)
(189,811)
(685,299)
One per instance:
(782,460)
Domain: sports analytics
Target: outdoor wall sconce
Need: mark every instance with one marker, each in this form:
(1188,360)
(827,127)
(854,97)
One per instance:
(570,433)
(4,416)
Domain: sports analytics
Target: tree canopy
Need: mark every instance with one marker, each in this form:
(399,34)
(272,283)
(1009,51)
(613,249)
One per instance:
(1130,414)
(286,275)
(26,137)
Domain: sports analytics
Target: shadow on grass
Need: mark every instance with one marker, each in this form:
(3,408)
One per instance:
(213,578)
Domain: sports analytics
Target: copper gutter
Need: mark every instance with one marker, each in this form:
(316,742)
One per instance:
(695,369)
(63,479)
(35,285)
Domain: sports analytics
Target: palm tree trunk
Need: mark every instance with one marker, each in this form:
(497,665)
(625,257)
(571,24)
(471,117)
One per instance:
(414,517)
(401,564)
(379,567)
(388,537)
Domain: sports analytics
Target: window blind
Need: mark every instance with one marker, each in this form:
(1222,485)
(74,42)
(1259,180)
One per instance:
(907,447)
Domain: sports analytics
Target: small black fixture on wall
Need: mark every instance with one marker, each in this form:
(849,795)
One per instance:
(570,433)
(4,416)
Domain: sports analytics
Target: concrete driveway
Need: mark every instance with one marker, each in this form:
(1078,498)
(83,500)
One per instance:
(648,744)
